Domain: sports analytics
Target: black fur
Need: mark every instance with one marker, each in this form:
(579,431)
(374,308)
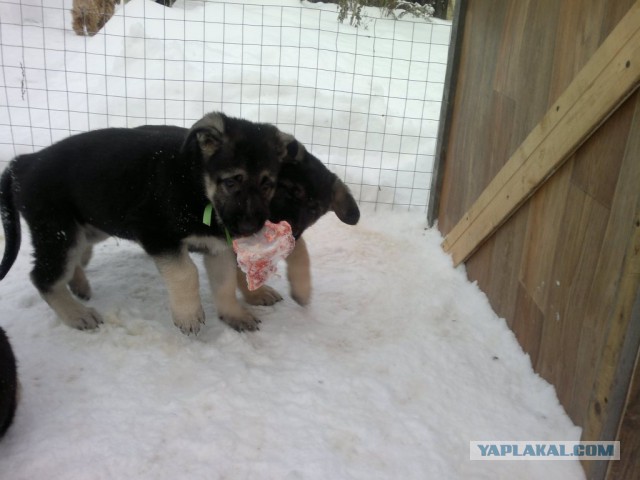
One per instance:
(11,223)
(8,383)
(307,190)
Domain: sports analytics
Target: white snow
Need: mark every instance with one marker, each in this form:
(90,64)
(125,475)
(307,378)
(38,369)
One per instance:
(399,361)
(395,366)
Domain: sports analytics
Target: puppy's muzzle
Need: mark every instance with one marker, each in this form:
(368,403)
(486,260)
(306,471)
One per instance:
(249,226)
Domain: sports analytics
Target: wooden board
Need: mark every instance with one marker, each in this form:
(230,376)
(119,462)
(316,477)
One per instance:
(543,233)
(611,389)
(604,83)
(446,109)
(629,464)
(481,39)
(627,290)
(581,232)
(605,281)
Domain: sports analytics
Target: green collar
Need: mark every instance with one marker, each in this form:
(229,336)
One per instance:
(206,219)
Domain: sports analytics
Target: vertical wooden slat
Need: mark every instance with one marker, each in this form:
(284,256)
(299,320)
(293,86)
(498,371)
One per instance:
(592,226)
(600,301)
(598,162)
(543,230)
(578,37)
(612,380)
(446,109)
(626,289)
(629,464)
(464,178)
(528,324)
(583,219)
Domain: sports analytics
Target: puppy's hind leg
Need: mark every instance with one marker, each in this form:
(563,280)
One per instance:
(86,256)
(264,295)
(57,253)
(79,285)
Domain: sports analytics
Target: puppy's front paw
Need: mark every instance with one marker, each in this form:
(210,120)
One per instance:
(264,295)
(189,323)
(83,319)
(240,321)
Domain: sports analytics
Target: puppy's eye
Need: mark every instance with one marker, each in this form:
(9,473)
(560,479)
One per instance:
(299,192)
(267,184)
(229,182)
(232,182)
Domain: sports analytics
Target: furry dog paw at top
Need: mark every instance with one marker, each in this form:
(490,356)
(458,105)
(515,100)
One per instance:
(89,16)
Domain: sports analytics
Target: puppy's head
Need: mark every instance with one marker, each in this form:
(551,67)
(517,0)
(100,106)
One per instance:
(241,162)
(306,190)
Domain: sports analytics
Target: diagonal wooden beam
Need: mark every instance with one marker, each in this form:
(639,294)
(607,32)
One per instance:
(603,84)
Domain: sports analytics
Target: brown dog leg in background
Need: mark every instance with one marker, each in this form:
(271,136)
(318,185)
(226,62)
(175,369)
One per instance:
(298,273)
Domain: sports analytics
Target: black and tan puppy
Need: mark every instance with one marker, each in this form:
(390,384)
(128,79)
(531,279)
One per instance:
(8,383)
(306,190)
(135,184)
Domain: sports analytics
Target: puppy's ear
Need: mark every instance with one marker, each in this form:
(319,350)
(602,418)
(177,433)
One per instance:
(343,203)
(208,132)
(293,150)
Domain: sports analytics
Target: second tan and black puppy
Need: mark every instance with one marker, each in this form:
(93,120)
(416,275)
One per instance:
(306,190)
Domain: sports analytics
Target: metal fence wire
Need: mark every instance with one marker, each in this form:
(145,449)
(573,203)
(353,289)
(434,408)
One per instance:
(365,100)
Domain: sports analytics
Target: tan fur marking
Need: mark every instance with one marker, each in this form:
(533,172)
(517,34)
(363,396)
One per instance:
(264,295)
(70,311)
(213,120)
(299,273)
(221,270)
(207,145)
(181,277)
(210,188)
(79,284)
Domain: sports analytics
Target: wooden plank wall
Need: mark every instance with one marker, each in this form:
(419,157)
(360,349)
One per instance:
(553,270)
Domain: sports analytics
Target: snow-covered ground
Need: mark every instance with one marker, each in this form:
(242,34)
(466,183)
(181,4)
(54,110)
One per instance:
(395,366)
(398,362)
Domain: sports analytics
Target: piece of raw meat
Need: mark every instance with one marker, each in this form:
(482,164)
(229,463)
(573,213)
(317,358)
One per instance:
(258,255)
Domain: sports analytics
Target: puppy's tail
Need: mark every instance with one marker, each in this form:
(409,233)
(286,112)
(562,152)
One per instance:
(10,222)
